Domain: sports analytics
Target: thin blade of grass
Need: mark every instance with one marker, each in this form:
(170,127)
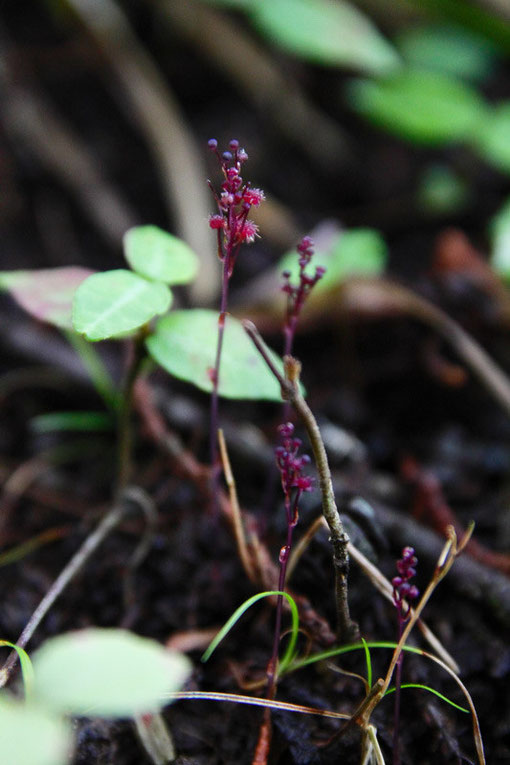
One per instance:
(431,690)
(289,652)
(27,670)
(368,660)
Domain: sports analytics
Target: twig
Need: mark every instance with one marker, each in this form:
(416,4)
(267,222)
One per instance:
(237,520)
(112,519)
(347,629)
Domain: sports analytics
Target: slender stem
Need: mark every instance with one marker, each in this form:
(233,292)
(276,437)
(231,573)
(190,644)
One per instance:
(347,629)
(124,433)
(94,365)
(289,332)
(215,464)
(398,682)
(284,557)
(217,363)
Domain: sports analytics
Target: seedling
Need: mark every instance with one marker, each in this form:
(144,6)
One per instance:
(122,304)
(403,594)
(294,483)
(95,672)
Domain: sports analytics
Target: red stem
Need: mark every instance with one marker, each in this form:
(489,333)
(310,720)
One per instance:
(216,380)
(398,682)
(284,558)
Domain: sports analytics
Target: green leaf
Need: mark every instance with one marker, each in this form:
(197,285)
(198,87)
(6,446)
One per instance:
(221,635)
(325,32)
(424,107)
(500,236)
(184,343)
(157,255)
(368,661)
(358,252)
(241,4)
(449,49)
(114,303)
(27,669)
(65,421)
(31,736)
(492,138)
(46,294)
(430,690)
(441,191)
(106,673)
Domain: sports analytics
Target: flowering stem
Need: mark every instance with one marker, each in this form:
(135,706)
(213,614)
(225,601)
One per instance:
(347,629)
(215,376)
(398,683)
(233,228)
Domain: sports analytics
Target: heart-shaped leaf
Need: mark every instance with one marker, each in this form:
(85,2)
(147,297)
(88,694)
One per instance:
(106,673)
(32,736)
(325,32)
(157,255)
(184,343)
(117,302)
(46,294)
(425,107)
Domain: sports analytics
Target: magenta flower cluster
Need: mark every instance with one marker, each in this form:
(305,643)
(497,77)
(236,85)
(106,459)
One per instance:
(403,591)
(298,293)
(291,465)
(234,201)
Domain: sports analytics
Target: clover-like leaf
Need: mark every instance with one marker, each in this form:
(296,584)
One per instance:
(425,107)
(46,294)
(106,673)
(184,343)
(114,303)
(158,255)
(325,32)
(32,736)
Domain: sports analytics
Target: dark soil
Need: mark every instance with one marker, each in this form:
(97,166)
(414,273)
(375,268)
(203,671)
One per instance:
(407,429)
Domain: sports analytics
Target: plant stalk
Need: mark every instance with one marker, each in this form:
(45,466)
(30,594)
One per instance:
(213,436)
(124,431)
(347,629)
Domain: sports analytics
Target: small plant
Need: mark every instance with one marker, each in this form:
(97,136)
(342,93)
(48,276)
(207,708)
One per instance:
(294,483)
(297,294)
(233,228)
(113,673)
(403,594)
